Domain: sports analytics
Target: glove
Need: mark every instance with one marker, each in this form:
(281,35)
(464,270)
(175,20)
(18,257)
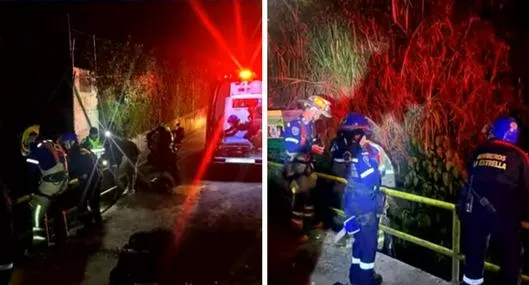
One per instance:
(317,149)
(351,226)
(347,156)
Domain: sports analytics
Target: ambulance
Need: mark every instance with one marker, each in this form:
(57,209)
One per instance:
(236,108)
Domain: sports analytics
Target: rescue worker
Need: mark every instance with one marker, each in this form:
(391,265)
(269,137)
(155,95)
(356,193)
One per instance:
(82,164)
(361,200)
(162,156)
(29,138)
(160,139)
(301,143)
(341,161)
(93,141)
(235,126)
(492,205)
(341,157)
(178,134)
(252,127)
(48,172)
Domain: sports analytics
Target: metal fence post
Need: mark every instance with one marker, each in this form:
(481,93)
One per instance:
(456,233)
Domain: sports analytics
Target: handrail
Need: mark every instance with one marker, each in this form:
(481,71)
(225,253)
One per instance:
(454,252)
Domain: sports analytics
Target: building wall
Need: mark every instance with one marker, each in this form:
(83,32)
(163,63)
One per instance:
(87,99)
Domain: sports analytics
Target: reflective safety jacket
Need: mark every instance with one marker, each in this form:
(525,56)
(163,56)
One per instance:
(363,170)
(363,183)
(91,144)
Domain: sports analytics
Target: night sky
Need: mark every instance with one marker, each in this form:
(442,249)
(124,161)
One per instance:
(34,43)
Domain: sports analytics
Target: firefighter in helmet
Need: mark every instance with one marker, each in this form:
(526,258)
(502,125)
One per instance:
(494,202)
(362,198)
(301,143)
(48,171)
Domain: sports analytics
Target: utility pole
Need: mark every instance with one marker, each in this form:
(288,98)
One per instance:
(95,56)
(74,88)
(70,41)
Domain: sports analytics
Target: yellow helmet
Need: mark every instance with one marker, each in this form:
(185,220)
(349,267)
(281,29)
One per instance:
(320,104)
(166,126)
(25,140)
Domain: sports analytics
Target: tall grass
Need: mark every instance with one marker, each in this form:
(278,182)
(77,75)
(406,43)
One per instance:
(338,58)
(136,92)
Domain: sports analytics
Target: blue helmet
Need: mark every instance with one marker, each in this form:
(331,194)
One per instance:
(356,122)
(233,119)
(70,136)
(505,129)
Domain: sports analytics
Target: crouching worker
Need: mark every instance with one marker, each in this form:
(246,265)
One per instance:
(82,166)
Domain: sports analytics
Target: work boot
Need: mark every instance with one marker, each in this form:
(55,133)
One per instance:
(378,279)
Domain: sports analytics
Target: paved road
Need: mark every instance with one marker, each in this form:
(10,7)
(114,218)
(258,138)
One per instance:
(217,223)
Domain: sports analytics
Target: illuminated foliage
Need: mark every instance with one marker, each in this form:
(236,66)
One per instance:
(136,92)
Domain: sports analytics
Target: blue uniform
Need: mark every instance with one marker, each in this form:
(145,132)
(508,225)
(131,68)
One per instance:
(499,172)
(299,137)
(360,201)
(298,140)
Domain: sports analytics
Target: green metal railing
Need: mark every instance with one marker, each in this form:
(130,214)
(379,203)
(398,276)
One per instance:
(453,252)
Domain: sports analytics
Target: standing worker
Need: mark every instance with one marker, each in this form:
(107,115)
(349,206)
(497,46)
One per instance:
(301,143)
(341,162)
(492,206)
(82,165)
(93,141)
(178,134)
(361,201)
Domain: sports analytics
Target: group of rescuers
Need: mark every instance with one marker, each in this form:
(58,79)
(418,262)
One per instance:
(490,206)
(50,165)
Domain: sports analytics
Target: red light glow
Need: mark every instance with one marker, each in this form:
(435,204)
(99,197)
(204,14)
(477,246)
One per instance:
(199,11)
(184,216)
(245,74)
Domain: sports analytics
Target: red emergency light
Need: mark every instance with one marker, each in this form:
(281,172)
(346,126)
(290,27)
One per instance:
(246,74)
